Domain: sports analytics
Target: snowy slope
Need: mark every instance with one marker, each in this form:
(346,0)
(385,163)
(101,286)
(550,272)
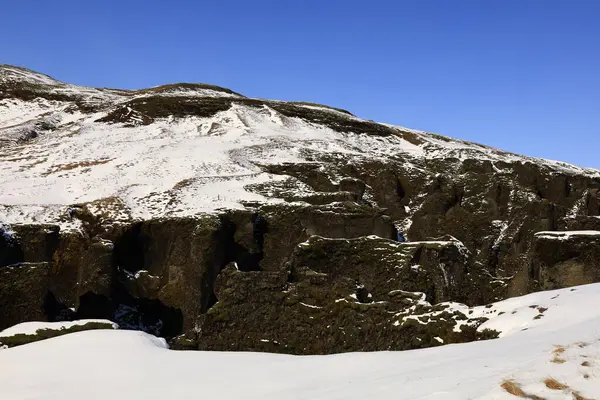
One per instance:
(53,155)
(564,346)
(11,73)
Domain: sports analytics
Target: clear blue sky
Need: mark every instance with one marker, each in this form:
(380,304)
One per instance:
(521,75)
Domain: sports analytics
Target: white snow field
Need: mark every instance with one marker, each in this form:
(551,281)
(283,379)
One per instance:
(562,348)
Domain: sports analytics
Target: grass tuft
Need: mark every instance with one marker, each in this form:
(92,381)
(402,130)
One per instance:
(515,389)
(70,166)
(578,396)
(553,384)
(558,350)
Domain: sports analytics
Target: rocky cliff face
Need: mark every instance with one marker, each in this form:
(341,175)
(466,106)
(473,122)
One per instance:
(224,222)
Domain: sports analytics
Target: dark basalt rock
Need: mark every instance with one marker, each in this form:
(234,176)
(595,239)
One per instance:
(293,224)
(436,268)
(353,185)
(347,302)
(562,260)
(23,291)
(174,261)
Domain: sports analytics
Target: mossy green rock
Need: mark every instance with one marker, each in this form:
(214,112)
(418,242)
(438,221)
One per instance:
(23,290)
(562,260)
(335,295)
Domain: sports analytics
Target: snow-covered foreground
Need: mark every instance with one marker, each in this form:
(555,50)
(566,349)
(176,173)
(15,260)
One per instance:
(563,345)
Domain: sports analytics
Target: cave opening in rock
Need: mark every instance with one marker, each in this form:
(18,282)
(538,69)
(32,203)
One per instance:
(212,300)
(400,192)
(129,249)
(540,194)
(568,188)
(95,306)
(228,251)
(10,250)
(362,294)
(248,259)
(395,232)
(416,258)
(148,315)
(55,310)
(259,229)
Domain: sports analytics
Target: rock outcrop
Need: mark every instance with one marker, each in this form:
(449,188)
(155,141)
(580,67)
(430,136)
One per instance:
(564,259)
(337,295)
(230,223)
(23,291)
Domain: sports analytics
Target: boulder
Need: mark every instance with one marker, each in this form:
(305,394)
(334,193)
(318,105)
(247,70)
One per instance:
(564,259)
(96,272)
(353,185)
(23,293)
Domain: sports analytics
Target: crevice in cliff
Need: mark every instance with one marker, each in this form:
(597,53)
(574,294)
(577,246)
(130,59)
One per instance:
(148,315)
(247,261)
(55,310)
(10,250)
(502,198)
(212,300)
(593,202)
(400,191)
(552,218)
(457,197)
(129,249)
(126,309)
(362,294)
(225,250)
(228,250)
(539,194)
(568,188)
(453,199)
(247,258)
(416,258)
(94,306)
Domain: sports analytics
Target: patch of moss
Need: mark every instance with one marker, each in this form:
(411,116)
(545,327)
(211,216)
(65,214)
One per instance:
(27,92)
(162,107)
(46,333)
(190,86)
(179,106)
(306,103)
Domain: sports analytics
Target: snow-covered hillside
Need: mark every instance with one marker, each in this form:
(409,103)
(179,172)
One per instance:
(550,348)
(54,154)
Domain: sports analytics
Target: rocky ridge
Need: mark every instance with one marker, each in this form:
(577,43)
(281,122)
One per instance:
(230,223)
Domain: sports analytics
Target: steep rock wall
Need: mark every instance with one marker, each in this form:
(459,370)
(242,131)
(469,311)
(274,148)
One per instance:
(224,222)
